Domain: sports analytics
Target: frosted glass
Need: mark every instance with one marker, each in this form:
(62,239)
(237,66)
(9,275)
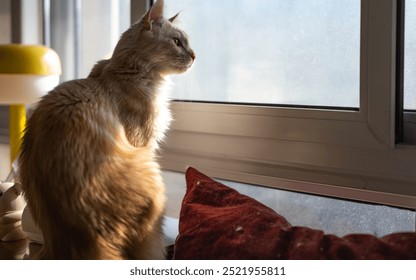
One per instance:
(296,52)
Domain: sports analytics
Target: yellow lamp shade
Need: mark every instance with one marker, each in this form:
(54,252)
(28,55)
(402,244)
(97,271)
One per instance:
(27,72)
(29,59)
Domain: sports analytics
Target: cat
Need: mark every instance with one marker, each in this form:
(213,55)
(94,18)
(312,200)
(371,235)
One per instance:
(88,159)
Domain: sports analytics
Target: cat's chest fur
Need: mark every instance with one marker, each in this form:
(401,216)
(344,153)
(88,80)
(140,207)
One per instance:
(143,110)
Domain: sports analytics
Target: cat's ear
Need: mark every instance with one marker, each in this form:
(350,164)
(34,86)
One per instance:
(172,19)
(155,13)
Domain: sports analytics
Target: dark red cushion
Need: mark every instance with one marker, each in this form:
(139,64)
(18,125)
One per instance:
(217,222)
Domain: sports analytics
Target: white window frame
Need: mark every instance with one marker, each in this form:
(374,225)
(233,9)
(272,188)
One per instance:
(346,154)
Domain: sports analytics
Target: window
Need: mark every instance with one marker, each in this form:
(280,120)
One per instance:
(295,52)
(342,153)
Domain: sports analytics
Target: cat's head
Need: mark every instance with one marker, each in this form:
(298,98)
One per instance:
(156,43)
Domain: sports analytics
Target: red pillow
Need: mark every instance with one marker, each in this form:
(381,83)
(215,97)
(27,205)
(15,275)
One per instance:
(217,222)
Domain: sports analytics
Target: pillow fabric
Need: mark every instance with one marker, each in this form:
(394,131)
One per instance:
(217,222)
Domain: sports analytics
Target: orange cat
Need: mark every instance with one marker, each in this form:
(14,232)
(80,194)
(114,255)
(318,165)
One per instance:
(87,163)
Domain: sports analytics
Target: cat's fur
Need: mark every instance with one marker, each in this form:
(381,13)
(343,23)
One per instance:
(87,163)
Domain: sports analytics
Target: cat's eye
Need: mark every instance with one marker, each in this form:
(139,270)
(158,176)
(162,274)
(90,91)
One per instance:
(177,42)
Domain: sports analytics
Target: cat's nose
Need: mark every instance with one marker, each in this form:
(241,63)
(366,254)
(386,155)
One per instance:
(192,54)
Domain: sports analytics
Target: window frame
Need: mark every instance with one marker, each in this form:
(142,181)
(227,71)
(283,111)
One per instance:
(338,153)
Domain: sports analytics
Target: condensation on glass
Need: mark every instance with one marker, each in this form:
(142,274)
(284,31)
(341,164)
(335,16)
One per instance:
(296,52)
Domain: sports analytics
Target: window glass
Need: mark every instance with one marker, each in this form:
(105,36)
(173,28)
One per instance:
(410,56)
(296,52)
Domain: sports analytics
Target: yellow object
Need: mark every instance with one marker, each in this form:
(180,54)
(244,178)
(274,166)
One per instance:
(27,72)
(29,59)
(17,119)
